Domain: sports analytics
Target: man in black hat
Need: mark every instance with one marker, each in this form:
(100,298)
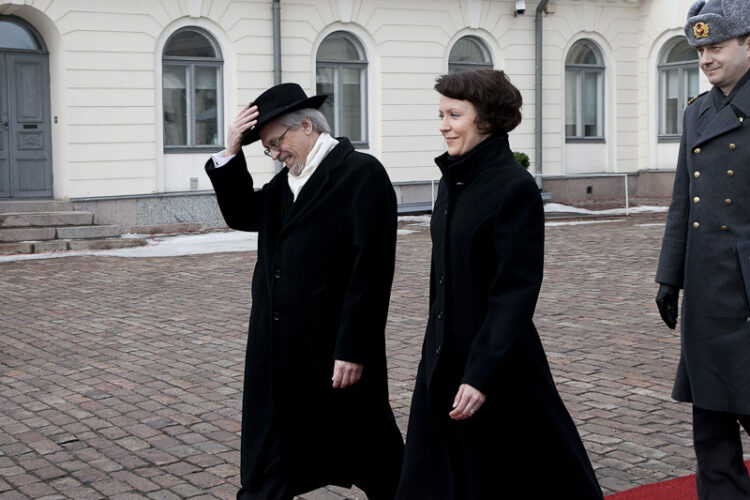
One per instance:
(315,408)
(706,249)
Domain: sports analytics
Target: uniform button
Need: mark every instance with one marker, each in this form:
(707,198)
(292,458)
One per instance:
(728,201)
(437,350)
(696,174)
(730,173)
(440,315)
(441,281)
(697,150)
(276,315)
(696,225)
(446,212)
(724,228)
(696,199)
(459,184)
(277,273)
(732,146)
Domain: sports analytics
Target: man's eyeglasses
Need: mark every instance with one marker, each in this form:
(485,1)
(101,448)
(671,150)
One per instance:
(274,145)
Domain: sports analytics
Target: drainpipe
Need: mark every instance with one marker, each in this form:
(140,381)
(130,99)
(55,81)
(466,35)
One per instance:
(276,42)
(538,97)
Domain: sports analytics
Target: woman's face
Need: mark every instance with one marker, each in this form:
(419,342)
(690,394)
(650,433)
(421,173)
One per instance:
(458,125)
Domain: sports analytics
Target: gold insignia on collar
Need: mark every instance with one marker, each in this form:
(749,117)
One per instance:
(700,30)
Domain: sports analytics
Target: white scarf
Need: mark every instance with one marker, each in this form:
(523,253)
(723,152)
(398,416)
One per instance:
(320,150)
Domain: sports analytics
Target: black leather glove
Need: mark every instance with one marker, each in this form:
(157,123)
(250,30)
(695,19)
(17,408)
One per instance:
(666,301)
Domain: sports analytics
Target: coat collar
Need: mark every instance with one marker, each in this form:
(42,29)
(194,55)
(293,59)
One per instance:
(315,187)
(467,166)
(717,122)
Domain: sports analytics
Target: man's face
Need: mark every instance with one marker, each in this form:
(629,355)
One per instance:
(724,63)
(293,147)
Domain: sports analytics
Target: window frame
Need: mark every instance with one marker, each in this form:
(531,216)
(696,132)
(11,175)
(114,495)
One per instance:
(190,63)
(580,70)
(682,98)
(31,30)
(339,66)
(454,67)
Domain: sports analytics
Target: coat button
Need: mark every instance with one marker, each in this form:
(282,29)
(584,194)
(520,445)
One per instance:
(696,225)
(277,273)
(445,212)
(696,199)
(696,174)
(276,315)
(741,119)
(724,228)
(697,150)
(732,146)
(440,315)
(730,173)
(437,350)
(441,281)
(728,201)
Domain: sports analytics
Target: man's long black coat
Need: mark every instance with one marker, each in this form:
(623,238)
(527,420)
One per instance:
(487,260)
(320,292)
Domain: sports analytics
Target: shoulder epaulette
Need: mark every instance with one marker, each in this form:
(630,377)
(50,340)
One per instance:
(692,99)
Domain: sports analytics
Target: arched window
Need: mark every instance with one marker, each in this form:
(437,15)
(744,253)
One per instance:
(469,52)
(678,82)
(341,72)
(191,89)
(584,91)
(16,35)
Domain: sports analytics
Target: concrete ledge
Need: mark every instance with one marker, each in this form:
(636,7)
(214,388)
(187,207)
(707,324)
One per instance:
(44,219)
(88,232)
(15,248)
(50,246)
(185,227)
(105,244)
(27,234)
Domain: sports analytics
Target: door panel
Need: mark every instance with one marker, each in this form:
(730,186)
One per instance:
(30,148)
(4,131)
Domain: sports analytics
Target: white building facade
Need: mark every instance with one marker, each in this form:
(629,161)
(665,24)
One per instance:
(120,102)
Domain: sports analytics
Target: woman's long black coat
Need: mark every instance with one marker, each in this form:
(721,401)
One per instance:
(320,291)
(487,259)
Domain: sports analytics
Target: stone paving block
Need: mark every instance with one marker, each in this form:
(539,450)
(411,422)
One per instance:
(124,376)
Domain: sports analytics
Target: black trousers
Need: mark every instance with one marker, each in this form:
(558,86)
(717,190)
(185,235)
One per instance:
(721,473)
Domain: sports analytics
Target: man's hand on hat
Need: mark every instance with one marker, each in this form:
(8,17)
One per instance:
(245,119)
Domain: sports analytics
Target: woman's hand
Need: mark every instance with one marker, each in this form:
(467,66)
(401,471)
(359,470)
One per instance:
(346,374)
(467,402)
(244,120)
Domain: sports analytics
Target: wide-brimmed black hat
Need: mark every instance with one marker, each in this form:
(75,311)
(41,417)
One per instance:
(279,100)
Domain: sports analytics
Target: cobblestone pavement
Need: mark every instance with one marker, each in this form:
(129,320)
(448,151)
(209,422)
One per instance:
(121,378)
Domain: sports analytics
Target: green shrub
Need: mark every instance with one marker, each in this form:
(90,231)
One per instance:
(523,159)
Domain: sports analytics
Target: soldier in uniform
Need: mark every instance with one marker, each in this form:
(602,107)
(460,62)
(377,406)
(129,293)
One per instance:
(706,249)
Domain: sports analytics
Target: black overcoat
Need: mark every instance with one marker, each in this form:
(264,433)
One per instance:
(320,292)
(487,261)
(706,251)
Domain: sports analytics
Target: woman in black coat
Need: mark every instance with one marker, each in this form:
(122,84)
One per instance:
(486,419)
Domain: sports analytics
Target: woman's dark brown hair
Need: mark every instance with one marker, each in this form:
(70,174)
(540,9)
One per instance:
(497,101)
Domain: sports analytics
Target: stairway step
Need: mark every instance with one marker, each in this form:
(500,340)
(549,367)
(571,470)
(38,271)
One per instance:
(87,232)
(39,219)
(106,244)
(27,234)
(18,206)
(15,248)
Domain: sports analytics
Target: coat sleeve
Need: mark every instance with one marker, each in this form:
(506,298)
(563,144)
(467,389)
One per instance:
(671,266)
(239,203)
(361,333)
(518,242)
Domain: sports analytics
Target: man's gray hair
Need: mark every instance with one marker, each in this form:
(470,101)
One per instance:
(297,119)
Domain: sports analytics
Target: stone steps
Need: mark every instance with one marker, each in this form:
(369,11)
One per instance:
(38,226)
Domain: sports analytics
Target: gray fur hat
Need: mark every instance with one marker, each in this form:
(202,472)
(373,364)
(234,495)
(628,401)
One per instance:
(713,21)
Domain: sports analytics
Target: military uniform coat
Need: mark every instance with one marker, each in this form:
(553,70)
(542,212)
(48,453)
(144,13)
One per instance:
(487,261)
(706,251)
(320,292)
